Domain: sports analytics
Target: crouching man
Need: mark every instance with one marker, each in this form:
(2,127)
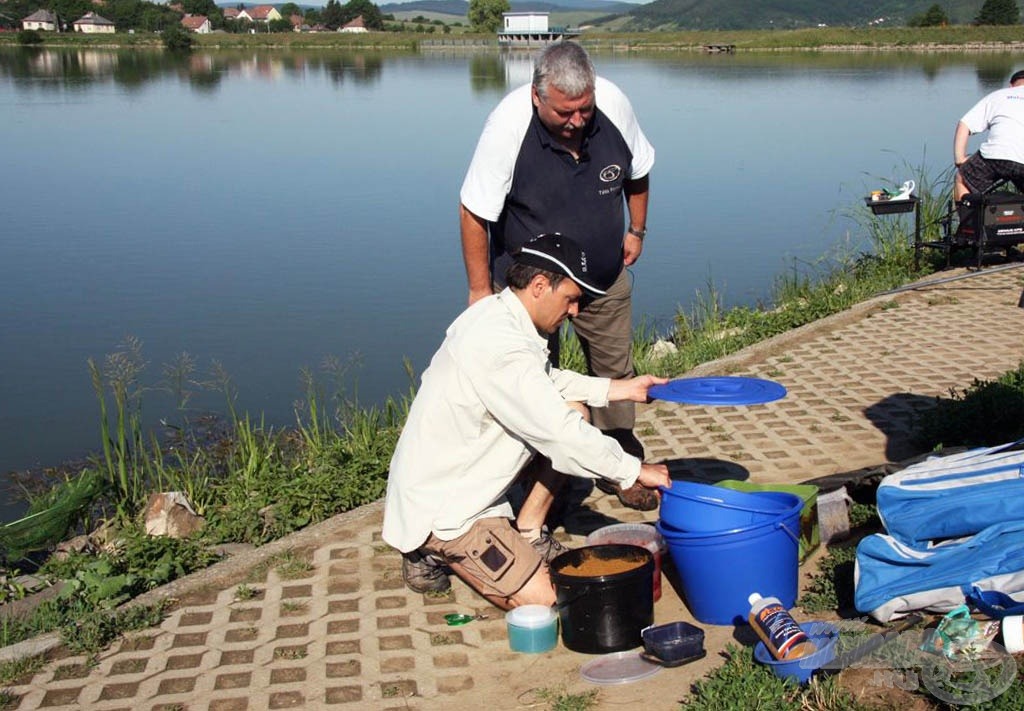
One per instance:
(488,403)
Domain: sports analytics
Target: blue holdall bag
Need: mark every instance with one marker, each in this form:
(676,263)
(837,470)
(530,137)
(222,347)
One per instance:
(892,578)
(954,496)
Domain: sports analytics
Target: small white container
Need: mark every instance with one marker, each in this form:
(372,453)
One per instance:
(1013,633)
(532,628)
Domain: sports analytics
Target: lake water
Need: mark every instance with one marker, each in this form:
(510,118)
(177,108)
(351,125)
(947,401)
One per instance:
(266,210)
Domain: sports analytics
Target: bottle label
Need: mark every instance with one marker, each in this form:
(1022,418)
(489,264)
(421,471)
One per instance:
(782,630)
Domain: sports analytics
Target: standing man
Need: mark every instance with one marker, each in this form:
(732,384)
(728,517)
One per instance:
(488,402)
(1001,156)
(566,154)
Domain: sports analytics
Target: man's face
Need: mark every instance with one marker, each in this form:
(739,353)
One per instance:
(555,305)
(564,117)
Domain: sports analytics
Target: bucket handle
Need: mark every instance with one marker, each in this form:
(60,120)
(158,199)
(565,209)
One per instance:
(784,527)
(558,606)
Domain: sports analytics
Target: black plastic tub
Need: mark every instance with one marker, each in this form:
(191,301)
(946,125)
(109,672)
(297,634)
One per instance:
(604,612)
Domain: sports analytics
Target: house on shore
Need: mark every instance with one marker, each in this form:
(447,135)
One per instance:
(90,23)
(40,20)
(200,24)
(355,25)
(529,29)
(260,13)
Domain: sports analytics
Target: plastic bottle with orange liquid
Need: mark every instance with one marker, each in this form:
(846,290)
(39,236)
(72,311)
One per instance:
(778,630)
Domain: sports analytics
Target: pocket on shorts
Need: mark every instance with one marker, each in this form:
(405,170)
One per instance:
(489,555)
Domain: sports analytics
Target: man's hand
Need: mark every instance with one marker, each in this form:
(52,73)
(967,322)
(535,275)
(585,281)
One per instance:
(634,389)
(654,475)
(632,247)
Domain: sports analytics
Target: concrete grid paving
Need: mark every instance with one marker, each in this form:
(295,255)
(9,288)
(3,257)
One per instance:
(346,634)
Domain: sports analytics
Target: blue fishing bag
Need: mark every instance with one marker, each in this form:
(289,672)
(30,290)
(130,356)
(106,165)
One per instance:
(955,532)
(953,496)
(893,579)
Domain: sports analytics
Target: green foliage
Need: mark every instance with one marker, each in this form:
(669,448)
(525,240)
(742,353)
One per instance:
(125,462)
(485,15)
(742,683)
(177,39)
(831,589)
(17,668)
(29,37)
(934,16)
(998,12)
(986,413)
(89,631)
(334,14)
(136,563)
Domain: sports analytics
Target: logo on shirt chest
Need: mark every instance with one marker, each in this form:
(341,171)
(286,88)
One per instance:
(610,173)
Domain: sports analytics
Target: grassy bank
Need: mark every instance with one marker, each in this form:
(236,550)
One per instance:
(952,38)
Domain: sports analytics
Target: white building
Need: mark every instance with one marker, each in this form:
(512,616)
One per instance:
(525,21)
(40,20)
(91,23)
(527,29)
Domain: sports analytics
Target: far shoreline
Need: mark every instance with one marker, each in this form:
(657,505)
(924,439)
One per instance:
(956,38)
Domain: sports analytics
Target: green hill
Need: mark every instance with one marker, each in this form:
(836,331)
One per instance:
(786,14)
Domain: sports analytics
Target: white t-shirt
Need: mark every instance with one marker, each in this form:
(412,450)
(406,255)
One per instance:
(1001,113)
(489,177)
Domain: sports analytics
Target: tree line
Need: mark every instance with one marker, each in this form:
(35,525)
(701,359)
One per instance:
(153,17)
(993,12)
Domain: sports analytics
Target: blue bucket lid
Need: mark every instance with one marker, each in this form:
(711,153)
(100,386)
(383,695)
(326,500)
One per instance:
(720,390)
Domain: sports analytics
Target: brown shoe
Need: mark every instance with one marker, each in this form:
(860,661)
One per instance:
(425,573)
(635,497)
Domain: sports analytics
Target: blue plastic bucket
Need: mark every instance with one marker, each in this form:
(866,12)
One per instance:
(689,506)
(718,570)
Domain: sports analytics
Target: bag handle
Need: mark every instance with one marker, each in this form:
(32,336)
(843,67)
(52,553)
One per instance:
(993,603)
(997,449)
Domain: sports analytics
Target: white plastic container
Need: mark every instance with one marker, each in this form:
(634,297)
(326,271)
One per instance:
(1013,633)
(532,628)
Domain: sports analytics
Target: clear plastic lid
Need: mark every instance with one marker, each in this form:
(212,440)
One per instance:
(618,668)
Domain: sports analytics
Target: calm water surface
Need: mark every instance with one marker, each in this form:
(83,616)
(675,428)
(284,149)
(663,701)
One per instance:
(269,210)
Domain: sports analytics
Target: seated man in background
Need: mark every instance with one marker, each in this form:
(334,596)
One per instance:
(1001,156)
(488,403)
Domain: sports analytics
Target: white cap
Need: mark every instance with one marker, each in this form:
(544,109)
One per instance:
(1013,633)
(753,598)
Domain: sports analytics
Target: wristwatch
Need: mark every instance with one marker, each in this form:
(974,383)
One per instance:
(638,232)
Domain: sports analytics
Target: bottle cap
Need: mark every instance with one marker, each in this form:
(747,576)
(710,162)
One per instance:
(1013,633)
(753,597)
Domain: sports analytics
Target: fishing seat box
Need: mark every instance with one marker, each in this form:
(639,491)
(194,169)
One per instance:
(1001,218)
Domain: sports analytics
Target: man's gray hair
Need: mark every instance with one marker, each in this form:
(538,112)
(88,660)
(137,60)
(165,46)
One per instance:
(565,66)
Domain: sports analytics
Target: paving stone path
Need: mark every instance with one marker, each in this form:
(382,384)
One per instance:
(259,632)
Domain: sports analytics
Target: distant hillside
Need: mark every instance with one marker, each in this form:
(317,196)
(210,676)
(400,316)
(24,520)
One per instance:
(786,14)
(461,7)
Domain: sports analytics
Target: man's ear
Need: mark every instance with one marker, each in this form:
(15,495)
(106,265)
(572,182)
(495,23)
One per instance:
(535,97)
(539,284)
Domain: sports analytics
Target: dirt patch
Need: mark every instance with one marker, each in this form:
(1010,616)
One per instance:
(885,689)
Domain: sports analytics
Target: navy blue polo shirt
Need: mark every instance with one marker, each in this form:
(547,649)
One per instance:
(553,192)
